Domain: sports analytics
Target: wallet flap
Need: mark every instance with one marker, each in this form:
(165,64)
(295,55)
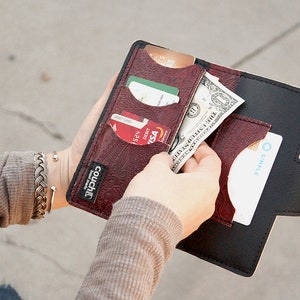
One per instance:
(239,247)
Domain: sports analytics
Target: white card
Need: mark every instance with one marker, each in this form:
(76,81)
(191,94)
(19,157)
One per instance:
(248,176)
(151,96)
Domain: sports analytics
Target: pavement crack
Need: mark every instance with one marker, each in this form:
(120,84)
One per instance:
(48,258)
(265,46)
(47,127)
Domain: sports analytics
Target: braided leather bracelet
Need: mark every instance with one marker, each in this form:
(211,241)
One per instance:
(40,186)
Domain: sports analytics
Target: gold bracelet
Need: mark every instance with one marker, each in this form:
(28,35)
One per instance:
(53,188)
(40,186)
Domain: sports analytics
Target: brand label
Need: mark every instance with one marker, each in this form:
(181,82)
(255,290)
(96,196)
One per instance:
(92,182)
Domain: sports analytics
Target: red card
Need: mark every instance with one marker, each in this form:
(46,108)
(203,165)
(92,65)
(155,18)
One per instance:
(138,130)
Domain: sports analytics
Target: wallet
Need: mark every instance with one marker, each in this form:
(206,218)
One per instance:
(268,119)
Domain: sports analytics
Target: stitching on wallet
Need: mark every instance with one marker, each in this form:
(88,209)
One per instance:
(249,120)
(230,265)
(240,118)
(219,261)
(268,81)
(263,240)
(292,212)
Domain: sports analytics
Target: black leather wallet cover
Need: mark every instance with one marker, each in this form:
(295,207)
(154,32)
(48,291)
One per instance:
(269,104)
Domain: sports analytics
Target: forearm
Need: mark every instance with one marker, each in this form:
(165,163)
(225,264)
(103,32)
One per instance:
(16,188)
(138,239)
(17,185)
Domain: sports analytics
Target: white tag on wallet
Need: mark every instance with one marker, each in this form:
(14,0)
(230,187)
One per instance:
(248,176)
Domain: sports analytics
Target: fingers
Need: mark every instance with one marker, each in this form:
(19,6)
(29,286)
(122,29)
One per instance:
(110,86)
(93,116)
(103,99)
(161,161)
(190,165)
(208,160)
(151,182)
(205,158)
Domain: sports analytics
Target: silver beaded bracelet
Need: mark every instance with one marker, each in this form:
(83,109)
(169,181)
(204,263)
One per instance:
(40,186)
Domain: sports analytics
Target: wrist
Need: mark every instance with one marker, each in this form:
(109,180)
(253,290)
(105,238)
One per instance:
(58,177)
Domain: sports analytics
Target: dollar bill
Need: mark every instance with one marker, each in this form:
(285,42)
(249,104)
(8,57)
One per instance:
(212,103)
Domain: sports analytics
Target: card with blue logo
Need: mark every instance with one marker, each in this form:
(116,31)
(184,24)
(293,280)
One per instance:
(248,176)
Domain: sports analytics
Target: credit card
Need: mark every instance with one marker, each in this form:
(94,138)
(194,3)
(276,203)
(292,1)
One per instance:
(151,96)
(169,58)
(138,130)
(156,85)
(248,176)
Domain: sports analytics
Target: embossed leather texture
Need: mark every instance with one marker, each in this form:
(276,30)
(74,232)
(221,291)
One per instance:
(109,163)
(121,161)
(234,135)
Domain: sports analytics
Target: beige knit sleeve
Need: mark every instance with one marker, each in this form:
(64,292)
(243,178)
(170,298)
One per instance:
(137,241)
(16,188)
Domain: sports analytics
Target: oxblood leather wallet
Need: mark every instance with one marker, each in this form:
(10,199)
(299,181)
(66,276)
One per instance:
(109,163)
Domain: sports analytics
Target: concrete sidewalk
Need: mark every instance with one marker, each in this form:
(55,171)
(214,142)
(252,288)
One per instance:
(56,57)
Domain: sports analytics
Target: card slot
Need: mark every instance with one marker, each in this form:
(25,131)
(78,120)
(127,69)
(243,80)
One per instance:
(142,65)
(228,142)
(152,93)
(121,161)
(170,116)
(248,176)
(127,101)
(185,79)
(110,139)
(145,67)
(146,105)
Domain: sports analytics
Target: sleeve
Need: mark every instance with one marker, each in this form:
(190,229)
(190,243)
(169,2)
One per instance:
(16,188)
(138,239)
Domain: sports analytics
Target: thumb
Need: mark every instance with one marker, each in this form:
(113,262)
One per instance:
(161,161)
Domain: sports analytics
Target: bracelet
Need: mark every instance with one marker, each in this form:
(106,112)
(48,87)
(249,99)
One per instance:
(53,188)
(40,185)
(55,156)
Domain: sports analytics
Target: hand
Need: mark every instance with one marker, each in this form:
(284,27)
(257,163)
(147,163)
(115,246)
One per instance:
(190,195)
(61,172)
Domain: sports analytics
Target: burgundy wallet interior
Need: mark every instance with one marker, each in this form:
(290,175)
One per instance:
(109,163)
